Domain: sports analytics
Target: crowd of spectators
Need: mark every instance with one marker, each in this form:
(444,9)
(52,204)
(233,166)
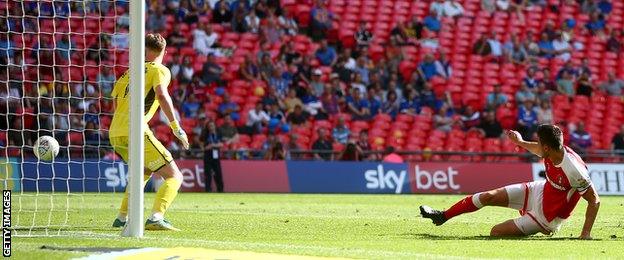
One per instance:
(328,82)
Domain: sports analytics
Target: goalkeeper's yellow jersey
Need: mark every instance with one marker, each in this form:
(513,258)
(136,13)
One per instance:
(155,74)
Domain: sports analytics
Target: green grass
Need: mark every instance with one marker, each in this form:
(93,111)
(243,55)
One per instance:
(359,226)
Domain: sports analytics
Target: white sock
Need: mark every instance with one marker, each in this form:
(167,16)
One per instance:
(122,217)
(156,216)
(476,201)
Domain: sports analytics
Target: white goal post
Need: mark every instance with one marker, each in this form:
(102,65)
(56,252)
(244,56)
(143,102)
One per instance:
(134,226)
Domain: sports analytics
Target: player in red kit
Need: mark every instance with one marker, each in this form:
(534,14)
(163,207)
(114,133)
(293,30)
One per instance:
(543,205)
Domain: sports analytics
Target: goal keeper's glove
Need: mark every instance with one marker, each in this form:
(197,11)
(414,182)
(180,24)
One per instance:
(179,133)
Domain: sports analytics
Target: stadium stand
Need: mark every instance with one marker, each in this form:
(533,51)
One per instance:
(246,59)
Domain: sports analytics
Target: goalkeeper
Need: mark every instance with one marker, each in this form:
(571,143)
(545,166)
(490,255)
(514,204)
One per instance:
(157,159)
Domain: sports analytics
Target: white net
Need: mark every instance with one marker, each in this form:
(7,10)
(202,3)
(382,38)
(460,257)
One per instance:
(58,63)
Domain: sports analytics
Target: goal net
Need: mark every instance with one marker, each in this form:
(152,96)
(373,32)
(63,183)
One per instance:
(58,63)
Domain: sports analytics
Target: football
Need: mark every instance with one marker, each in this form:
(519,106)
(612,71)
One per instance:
(46,148)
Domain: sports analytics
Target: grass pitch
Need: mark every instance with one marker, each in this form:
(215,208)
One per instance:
(352,226)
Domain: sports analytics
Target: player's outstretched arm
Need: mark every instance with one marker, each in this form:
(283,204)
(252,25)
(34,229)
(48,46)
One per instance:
(593,204)
(516,138)
(167,107)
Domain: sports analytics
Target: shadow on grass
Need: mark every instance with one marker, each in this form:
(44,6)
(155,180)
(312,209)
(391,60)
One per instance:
(485,238)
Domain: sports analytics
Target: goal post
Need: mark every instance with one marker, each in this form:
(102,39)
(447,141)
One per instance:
(134,226)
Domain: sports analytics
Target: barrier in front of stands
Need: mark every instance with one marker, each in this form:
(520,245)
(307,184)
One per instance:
(301,176)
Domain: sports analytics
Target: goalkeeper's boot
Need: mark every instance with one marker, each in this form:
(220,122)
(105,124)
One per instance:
(118,223)
(159,225)
(435,215)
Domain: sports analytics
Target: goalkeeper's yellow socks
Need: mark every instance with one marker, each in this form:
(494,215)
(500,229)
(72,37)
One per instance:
(164,197)
(123,210)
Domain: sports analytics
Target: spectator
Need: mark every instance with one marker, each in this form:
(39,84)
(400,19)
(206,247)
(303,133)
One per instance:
(614,44)
(175,67)
(64,48)
(291,101)
(362,70)
(316,84)
(414,29)
(277,118)
(481,46)
(365,147)
(530,80)
(584,85)
(517,54)
(565,85)
(412,104)
(547,80)
(359,108)
(442,121)
(278,82)
(270,32)
(288,23)
(511,6)
(496,98)
(596,24)
(239,23)
(228,131)
(605,7)
(613,86)
(584,68)
(276,152)
(363,36)
(271,99)
(204,40)
(326,55)
(156,21)
(427,68)
(546,47)
(437,8)
(257,118)
(496,46)
(488,6)
(567,67)
(617,142)
(106,80)
(398,34)
(298,117)
(293,148)
(249,70)
(588,6)
(211,71)
(190,107)
(288,55)
(392,105)
(527,119)
(470,118)
(543,94)
(227,107)
(489,126)
(323,146)
(453,9)
(443,66)
(544,113)
(222,14)
(530,45)
(580,140)
(321,21)
(373,102)
(562,48)
(175,38)
(524,94)
(358,84)
(212,144)
(351,152)
(429,99)
(341,132)
(252,22)
(187,70)
(330,101)
(390,156)
(432,23)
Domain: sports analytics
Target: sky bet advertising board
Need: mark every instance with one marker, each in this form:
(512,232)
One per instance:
(299,176)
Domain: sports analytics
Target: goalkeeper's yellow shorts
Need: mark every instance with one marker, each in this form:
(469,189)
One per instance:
(156,155)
